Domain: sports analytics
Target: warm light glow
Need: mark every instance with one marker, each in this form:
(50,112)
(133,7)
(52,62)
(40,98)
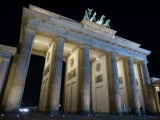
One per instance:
(71,52)
(157,88)
(97,58)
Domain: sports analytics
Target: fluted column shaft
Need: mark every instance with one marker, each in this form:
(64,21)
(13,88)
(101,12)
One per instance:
(116,88)
(134,87)
(148,88)
(57,76)
(3,72)
(16,93)
(85,83)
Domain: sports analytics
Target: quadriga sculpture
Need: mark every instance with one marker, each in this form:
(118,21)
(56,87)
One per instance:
(93,19)
(101,20)
(88,13)
(106,24)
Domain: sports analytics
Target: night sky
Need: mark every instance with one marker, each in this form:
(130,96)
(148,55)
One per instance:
(136,21)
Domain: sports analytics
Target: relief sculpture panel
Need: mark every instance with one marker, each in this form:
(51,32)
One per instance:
(72,74)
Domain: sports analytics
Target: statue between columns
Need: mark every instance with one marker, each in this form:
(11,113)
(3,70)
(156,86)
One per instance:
(88,14)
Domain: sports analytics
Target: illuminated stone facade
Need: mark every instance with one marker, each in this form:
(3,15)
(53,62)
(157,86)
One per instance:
(103,71)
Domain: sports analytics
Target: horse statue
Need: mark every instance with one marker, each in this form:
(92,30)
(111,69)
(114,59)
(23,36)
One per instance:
(88,12)
(101,20)
(106,24)
(93,19)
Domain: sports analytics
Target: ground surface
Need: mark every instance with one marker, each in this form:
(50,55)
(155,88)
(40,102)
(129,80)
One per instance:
(31,116)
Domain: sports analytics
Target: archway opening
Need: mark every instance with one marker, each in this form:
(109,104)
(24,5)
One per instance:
(33,82)
(159,96)
(62,88)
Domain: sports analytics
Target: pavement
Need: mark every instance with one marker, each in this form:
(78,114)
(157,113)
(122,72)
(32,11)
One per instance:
(33,116)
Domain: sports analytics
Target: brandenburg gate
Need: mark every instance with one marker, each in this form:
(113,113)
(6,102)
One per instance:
(103,71)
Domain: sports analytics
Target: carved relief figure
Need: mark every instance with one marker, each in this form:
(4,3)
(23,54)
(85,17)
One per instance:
(93,19)
(101,20)
(106,24)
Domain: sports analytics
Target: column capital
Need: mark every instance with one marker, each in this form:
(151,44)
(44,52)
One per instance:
(130,58)
(30,30)
(87,46)
(145,62)
(58,39)
(113,54)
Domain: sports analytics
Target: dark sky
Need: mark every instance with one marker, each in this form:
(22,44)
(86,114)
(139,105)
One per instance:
(134,20)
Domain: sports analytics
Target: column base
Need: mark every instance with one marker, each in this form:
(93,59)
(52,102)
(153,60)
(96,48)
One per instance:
(119,113)
(54,113)
(86,114)
(13,111)
(139,114)
(116,113)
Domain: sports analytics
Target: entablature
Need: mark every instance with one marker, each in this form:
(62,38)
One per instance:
(53,25)
(58,20)
(82,39)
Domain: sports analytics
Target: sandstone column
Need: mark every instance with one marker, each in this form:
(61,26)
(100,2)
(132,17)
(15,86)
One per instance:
(3,72)
(134,88)
(116,88)
(148,88)
(85,81)
(56,77)
(16,93)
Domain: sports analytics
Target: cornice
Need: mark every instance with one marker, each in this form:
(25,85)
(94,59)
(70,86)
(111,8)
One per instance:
(8,49)
(5,55)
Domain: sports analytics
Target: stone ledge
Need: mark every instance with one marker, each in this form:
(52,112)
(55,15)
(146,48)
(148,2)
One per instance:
(98,28)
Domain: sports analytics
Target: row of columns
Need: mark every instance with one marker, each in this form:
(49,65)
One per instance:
(15,96)
(134,88)
(116,87)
